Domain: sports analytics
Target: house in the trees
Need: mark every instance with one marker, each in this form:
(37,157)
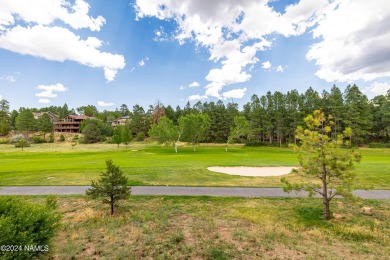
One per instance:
(53,117)
(70,123)
(120,121)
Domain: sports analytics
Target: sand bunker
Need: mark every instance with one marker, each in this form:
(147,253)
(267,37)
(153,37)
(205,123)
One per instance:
(252,171)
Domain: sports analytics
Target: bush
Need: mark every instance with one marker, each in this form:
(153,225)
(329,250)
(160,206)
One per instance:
(37,140)
(26,224)
(4,141)
(22,143)
(62,138)
(379,145)
(140,137)
(51,138)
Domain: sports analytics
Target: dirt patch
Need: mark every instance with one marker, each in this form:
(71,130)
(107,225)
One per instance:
(253,171)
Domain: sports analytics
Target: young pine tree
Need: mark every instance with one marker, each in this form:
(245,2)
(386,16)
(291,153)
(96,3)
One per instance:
(111,187)
(323,160)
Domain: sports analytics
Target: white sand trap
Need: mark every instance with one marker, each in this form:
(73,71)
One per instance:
(253,171)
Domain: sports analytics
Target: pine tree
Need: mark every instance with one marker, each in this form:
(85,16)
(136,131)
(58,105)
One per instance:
(321,158)
(111,187)
(45,125)
(357,113)
(26,121)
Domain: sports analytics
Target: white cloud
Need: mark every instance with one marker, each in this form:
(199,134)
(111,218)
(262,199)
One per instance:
(266,65)
(105,104)
(142,62)
(235,93)
(280,68)
(44,101)
(182,87)
(377,88)
(233,31)
(47,91)
(46,12)
(160,35)
(9,78)
(193,85)
(353,42)
(40,38)
(196,97)
(1,97)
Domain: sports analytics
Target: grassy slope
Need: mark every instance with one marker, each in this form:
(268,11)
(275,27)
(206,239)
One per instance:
(221,228)
(57,164)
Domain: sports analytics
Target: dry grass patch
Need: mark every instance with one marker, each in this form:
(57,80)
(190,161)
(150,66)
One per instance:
(220,228)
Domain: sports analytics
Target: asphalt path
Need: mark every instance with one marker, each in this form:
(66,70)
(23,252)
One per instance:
(182,191)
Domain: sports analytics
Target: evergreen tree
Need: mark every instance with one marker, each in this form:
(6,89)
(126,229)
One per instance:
(5,119)
(139,121)
(45,125)
(26,121)
(124,110)
(336,109)
(380,107)
(321,158)
(111,187)
(358,114)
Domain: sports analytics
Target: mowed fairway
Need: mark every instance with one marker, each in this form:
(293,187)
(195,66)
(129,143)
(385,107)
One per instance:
(58,164)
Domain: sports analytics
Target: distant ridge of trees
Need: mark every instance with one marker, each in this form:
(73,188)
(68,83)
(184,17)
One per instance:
(273,117)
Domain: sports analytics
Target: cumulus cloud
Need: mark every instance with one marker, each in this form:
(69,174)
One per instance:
(377,88)
(44,101)
(196,97)
(353,41)
(26,27)
(193,85)
(48,91)
(9,78)
(235,93)
(105,104)
(266,65)
(233,31)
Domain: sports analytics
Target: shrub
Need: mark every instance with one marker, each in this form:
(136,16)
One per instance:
(140,137)
(37,140)
(22,143)
(379,145)
(26,224)
(51,138)
(4,141)
(62,138)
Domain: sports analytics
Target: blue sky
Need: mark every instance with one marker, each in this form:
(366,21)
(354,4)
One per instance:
(108,53)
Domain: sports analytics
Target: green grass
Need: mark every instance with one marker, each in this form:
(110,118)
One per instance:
(220,228)
(58,164)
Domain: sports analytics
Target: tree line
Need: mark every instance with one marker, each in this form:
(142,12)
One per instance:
(272,118)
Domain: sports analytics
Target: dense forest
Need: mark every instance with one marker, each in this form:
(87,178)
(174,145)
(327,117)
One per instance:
(273,117)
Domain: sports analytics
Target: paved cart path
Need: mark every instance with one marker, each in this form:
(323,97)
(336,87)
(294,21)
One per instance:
(182,191)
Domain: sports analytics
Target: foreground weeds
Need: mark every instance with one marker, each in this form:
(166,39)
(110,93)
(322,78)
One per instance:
(220,228)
